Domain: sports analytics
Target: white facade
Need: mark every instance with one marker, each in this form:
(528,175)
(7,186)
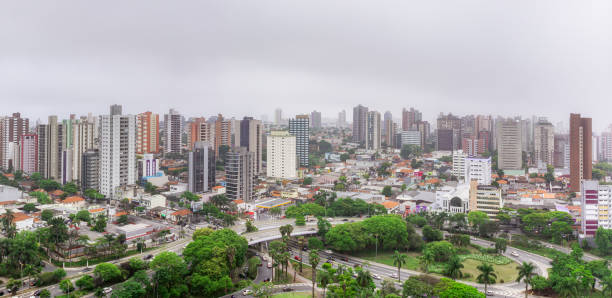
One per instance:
(459,164)
(117,152)
(149,165)
(596,203)
(445,194)
(478,169)
(281,159)
(153,201)
(411,137)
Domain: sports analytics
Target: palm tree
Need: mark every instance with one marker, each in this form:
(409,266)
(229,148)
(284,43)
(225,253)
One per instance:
(8,226)
(231,255)
(314,259)
(453,268)
(425,260)
(364,278)
(487,275)
(301,242)
(525,272)
(606,282)
(399,260)
(324,279)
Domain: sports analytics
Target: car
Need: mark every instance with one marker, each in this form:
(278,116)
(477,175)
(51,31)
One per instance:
(87,269)
(37,293)
(247,292)
(393,275)
(344,259)
(355,274)
(375,276)
(107,290)
(327,251)
(514,253)
(269,264)
(287,289)
(549,246)
(147,257)
(346,219)
(305,248)
(297,258)
(490,293)
(330,219)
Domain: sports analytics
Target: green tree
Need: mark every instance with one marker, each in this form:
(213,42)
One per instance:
(315,243)
(100,224)
(13,285)
(501,245)
(170,271)
(431,234)
(86,283)
(526,271)
(324,278)
(399,259)
(476,218)
(123,219)
(603,239)
(307,181)
(487,275)
(250,227)
(130,289)
(66,286)
(45,294)
(189,196)
(453,268)
(300,221)
(414,287)
(459,290)
(46,215)
(606,284)
(314,259)
(29,207)
(387,191)
(70,188)
(107,273)
(323,227)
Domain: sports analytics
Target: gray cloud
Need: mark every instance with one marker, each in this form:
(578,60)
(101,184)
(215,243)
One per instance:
(239,58)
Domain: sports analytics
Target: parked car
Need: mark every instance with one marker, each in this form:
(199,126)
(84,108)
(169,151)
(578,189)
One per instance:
(108,290)
(147,257)
(269,264)
(375,276)
(393,275)
(514,253)
(247,292)
(287,289)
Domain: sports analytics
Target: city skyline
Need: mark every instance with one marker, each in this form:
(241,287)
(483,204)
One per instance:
(260,56)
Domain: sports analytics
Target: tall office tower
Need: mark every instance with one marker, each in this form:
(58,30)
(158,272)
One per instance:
(544,142)
(90,170)
(342,119)
(223,133)
(11,130)
(410,118)
(444,140)
(425,130)
(360,113)
(300,129)
(147,133)
(315,119)
(561,154)
(117,151)
(387,129)
(278,116)
(50,149)
(28,146)
(581,151)
(605,143)
(240,174)
(451,122)
(509,151)
(282,157)
(201,168)
(596,203)
(373,131)
(173,132)
(251,137)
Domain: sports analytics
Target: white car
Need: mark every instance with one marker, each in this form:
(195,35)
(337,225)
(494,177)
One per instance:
(393,275)
(375,276)
(490,293)
(247,292)
(107,290)
(514,253)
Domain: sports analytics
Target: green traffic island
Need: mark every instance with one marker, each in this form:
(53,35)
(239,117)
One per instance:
(95,261)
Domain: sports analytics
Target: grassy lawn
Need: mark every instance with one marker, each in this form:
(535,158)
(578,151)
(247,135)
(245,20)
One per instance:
(306,270)
(386,257)
(507,273)
(292,295)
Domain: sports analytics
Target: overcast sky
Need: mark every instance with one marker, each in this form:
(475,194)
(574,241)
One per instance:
(239,58)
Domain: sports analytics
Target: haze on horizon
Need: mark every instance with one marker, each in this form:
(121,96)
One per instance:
(545,58)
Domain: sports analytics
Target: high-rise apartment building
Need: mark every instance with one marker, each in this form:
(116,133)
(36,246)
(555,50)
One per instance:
(342,119)
(544,142)
(50,148)
(478,169)
(240,173)
(281,155)
(90,170)
(596,204)
(458,169)
(509,146)
(410,118)
(77,136)
(373,131)
(223,133)
(251,137)
(278,116)
(300,129)
(201,131)
(315,119)
(147,133)
(388,134)
(476,144)
(562,151)
(581,151)
(117,151)
(28,147)
(173,132)
(424,128)
(444,139)
(605,143)
(201,168)
(360,115)
(11,129)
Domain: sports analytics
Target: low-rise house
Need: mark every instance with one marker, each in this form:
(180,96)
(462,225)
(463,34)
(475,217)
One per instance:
(76,202)
(153,201)
(179,215)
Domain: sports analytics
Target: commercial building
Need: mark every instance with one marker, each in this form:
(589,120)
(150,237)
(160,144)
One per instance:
(300,129)
(544,142)
(117,151)
(444,140)
(148,166)
(147,133)
(453,123)
(373,131)
(315,119)
(478,169)
(580,140)
(90,170)
(596,204)
(173,132)
(485,198)
(11,129)
(201,168)
(509,151)
(282,157)
(240,173)
(28,147)
(251,138)
(605,143)
(411,137)
(360,115)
